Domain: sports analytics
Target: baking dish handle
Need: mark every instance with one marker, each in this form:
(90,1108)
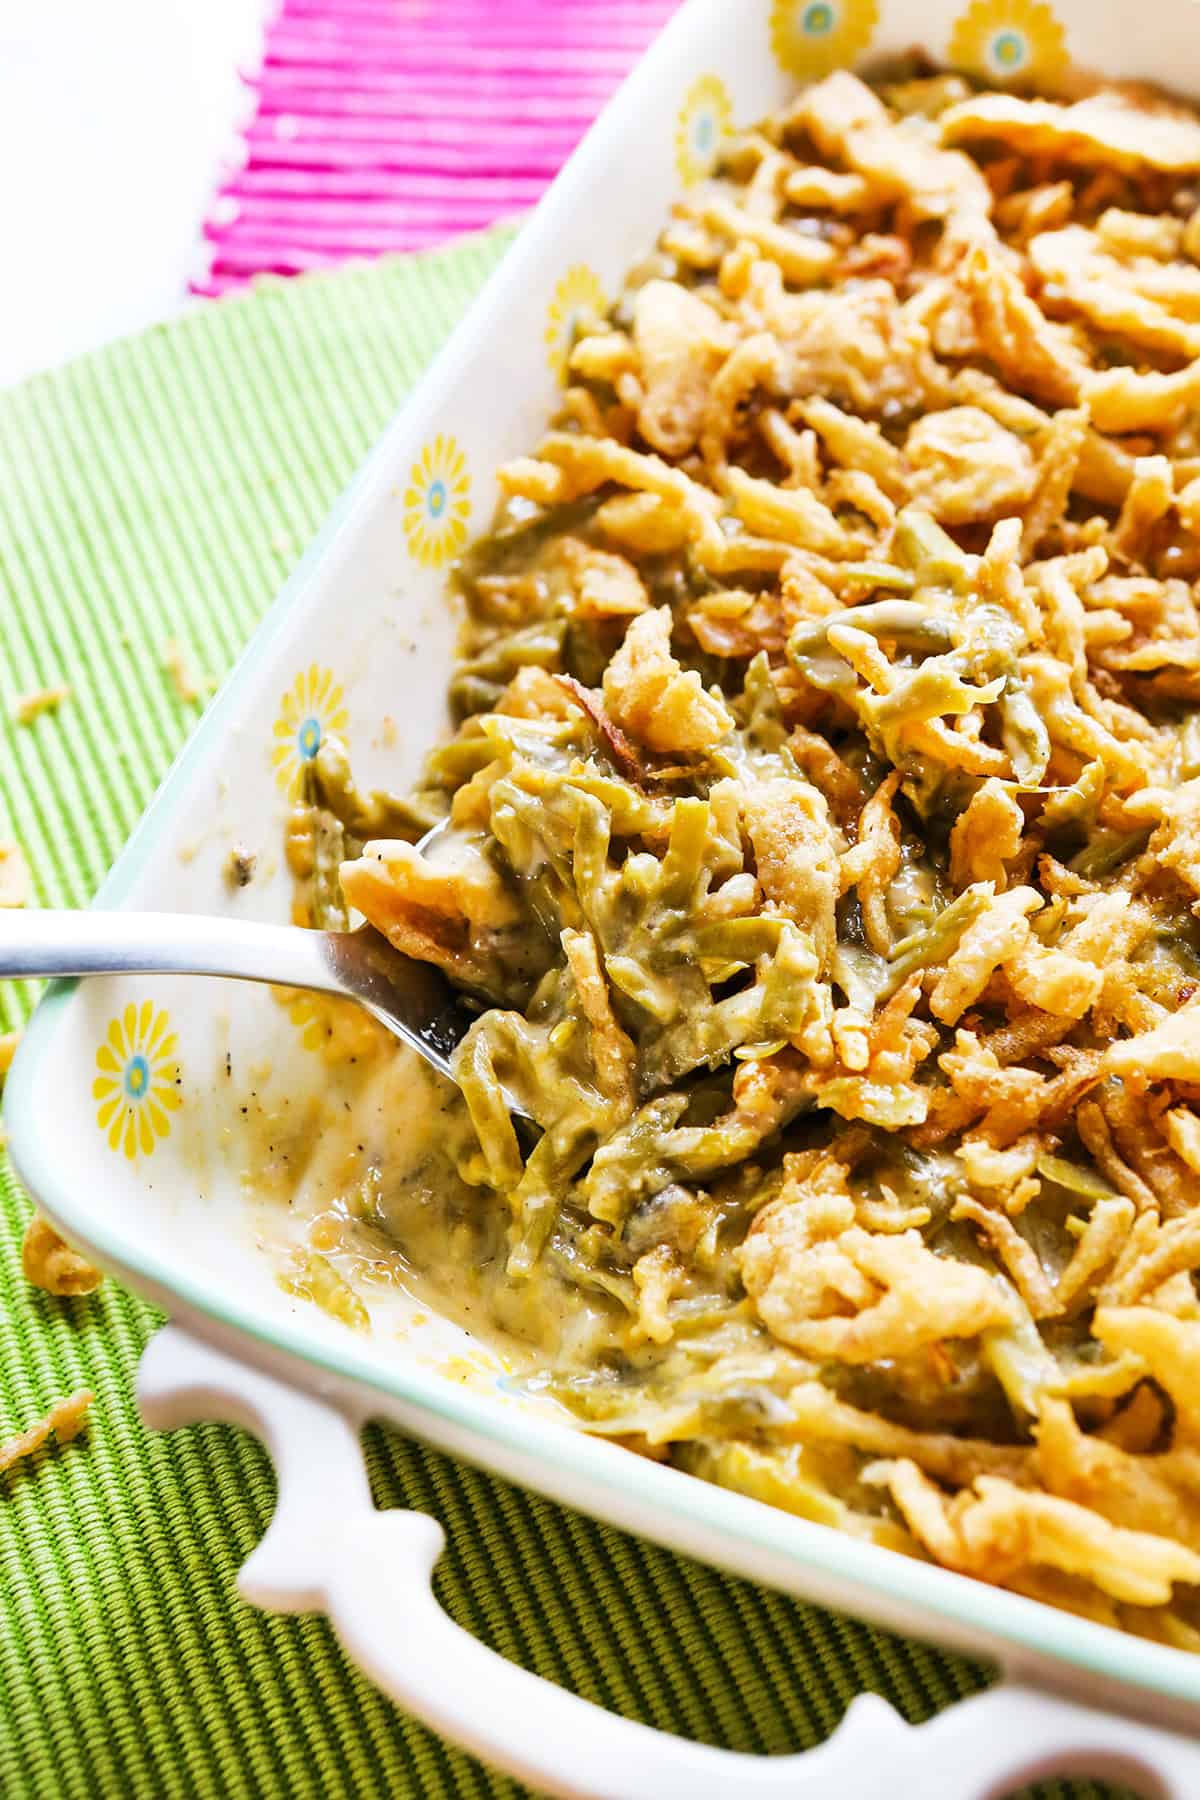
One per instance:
(329,1549)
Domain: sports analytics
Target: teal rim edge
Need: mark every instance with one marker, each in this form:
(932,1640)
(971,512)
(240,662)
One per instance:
(969,1605)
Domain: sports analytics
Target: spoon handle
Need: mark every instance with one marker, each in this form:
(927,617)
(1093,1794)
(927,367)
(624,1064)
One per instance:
(40,943)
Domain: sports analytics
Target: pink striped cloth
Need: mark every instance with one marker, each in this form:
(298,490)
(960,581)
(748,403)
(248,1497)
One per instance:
(393,124)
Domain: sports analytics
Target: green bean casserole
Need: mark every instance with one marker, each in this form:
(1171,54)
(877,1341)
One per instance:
(822,842)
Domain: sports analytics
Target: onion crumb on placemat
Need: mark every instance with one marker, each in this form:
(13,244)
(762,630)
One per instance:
(65,1420)
(31,706)
(50,1263)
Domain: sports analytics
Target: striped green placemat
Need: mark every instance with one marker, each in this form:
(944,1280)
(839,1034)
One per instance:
(159,491)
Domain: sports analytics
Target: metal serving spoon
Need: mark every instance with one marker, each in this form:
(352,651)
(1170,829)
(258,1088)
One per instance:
(412,999)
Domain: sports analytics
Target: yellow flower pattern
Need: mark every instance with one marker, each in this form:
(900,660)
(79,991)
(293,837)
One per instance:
(1009,40)
(313,707)
(437,503)
(810,38)
(307,1015)
(578,295)
(136,1088)
(704,122)
(337,1029)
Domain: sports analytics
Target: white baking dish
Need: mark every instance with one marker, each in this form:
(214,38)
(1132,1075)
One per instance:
(363,632)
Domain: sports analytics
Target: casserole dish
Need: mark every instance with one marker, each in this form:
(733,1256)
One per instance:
(159,1199)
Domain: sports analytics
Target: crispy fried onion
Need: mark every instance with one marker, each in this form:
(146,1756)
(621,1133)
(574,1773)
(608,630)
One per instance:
(823,1285)
(999,1532)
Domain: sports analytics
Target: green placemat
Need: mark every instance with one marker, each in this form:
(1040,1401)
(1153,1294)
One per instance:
(160,490)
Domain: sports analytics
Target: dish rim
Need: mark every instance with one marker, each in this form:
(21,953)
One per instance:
(968,1607)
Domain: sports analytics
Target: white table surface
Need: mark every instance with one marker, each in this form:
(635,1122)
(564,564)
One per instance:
(115,119)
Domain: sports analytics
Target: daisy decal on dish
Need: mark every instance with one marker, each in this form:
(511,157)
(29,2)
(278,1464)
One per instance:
(703,124)
(811,38)
(579,295)
(437,503)
(309,1018)
(1009,40)
(137,1080)
(313,707)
